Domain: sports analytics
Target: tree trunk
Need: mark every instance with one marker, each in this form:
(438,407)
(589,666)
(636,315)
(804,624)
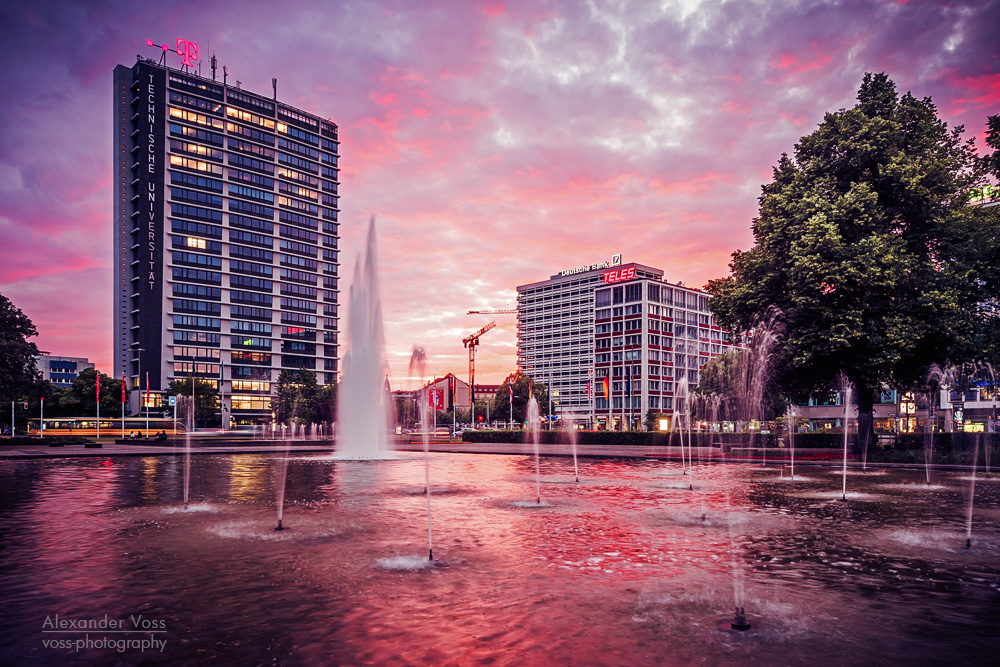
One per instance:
(866,420)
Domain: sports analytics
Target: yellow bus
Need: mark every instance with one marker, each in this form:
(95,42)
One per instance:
(110,426)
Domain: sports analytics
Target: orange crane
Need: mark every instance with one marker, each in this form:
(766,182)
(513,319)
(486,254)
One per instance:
(471,342)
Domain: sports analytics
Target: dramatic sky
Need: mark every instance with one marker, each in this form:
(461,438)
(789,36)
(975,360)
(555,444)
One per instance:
(496,143)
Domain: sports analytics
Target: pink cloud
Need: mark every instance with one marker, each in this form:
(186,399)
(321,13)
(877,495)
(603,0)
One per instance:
(792,63)
(497,142)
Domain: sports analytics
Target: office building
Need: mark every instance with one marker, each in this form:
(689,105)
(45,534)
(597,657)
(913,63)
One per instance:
(226,236)
(61,370)
(616,326)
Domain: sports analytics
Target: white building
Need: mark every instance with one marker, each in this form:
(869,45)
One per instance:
(61,370)
(612,340)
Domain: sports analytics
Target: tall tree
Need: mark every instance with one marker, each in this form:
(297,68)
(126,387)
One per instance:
(85,394)
(18,368)
(522,384)
(296,395)
(861,242)
(983,252)
(206,398)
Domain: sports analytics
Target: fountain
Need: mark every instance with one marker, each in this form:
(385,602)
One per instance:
(972,495)
(569,427)
(363,405)
(790,424)
(847,420)
(532,420)
(418,361)
(187,446)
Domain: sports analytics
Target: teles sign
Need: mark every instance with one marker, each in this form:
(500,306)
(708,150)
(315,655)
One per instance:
(618,275)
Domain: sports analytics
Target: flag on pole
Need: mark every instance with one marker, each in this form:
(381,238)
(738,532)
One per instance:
(123,386)
(147,388)
(98,387)
(510,390)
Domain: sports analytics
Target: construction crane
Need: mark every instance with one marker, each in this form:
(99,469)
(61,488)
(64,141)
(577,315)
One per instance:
(471,342)
(500,311)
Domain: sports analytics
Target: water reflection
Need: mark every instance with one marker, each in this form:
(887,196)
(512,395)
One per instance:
(624,567)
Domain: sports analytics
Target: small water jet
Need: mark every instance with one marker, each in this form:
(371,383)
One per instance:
(847,412)
(533,435)
(418,361)
(187,446)
(570,429)
(740,620)
(790,423)
(972,495)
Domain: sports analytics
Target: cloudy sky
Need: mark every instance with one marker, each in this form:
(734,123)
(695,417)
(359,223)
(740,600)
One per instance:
(496,143)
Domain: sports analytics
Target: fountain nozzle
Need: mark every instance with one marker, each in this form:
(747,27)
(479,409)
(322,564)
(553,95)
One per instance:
(279,527)
(740,622)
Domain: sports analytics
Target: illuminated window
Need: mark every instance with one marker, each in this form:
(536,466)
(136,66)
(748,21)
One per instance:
(241,402)
(195,243)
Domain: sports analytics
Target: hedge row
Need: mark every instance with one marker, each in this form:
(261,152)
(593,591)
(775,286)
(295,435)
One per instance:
(23,441)
(812,440)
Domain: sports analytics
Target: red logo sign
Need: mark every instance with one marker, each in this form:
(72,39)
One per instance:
(619,275)
(188,51)
(436,399)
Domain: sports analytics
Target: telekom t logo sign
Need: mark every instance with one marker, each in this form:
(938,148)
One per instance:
(188,51)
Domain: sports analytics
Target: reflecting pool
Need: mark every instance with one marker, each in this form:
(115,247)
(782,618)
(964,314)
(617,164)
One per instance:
(630,566)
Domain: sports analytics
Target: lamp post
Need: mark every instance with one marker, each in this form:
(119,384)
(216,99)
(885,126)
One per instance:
(138,358)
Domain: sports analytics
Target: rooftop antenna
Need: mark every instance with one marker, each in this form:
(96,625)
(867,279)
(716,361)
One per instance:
(214,65)
(274,85)
(225,74)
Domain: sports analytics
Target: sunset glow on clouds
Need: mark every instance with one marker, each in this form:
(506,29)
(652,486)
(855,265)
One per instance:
(495,143)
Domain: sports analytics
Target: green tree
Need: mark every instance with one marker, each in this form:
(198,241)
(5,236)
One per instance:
(521,382)
(861,243)
(60,401)
(19,374)
(84,391)
(982,245)
(326,403)
(206,396)
(296,395)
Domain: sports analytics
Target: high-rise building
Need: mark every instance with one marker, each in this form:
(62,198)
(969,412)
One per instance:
(614,328)
(226,237)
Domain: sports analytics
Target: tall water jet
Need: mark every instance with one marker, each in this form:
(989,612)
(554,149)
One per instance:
(282,475)
(363,403)
(187,446)
(972,495)
(790,423)
(533,434)
(847,413)
(677,423)
(569,426)
(418,361)
(744,378)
